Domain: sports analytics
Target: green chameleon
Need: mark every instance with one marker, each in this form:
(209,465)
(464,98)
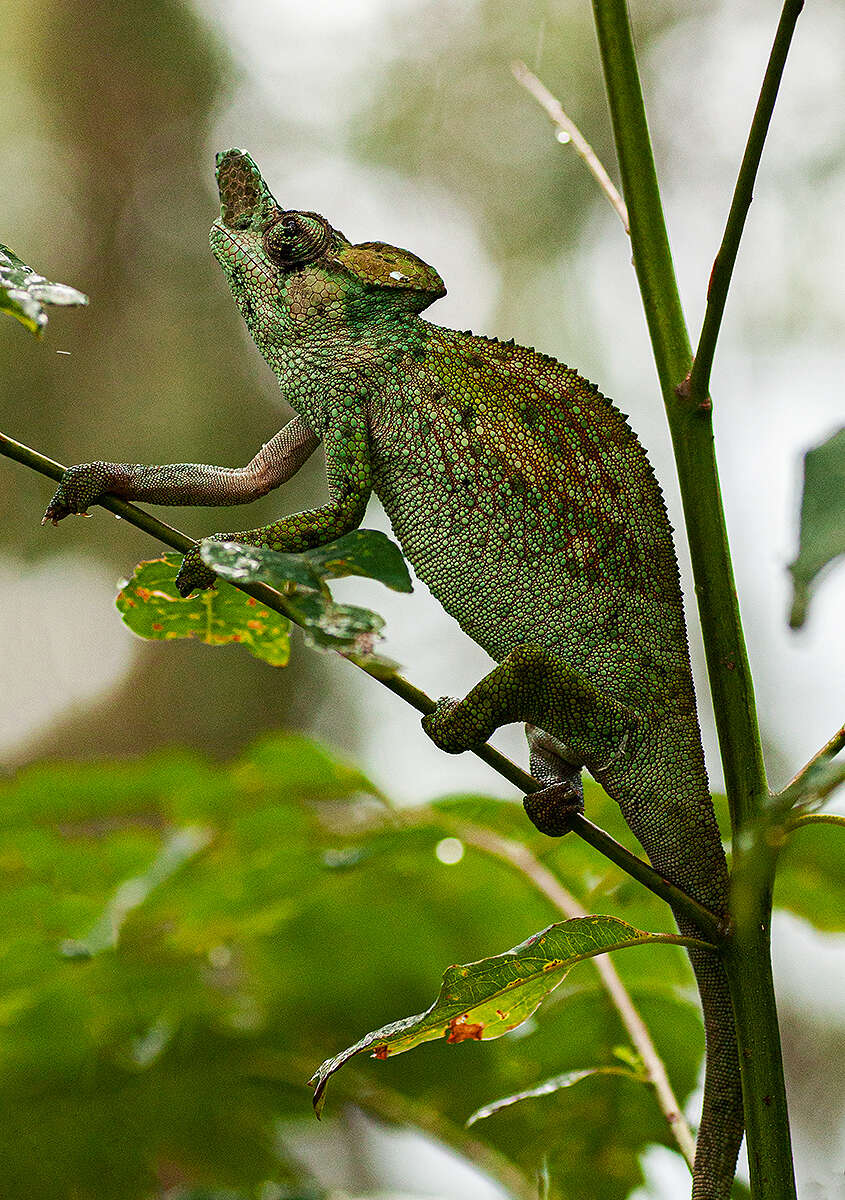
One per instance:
(523,500)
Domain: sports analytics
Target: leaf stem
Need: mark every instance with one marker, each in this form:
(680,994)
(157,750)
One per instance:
(723,266)
(815,819)
(590,833)
(547,883)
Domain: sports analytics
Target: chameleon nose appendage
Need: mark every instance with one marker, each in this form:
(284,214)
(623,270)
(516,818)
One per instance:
(243,192)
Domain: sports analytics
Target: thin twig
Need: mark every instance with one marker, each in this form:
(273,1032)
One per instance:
(678,900)
(521,858)
(568,132)
(829,750)
(698,384)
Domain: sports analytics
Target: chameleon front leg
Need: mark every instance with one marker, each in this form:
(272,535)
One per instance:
(186,483)
(349,479)
(535,685)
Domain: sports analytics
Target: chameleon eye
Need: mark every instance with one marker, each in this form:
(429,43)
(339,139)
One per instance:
(296,238)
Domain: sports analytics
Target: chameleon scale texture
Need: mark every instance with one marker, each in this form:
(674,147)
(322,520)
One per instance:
(525,502)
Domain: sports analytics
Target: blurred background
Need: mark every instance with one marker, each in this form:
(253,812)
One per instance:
(400,120)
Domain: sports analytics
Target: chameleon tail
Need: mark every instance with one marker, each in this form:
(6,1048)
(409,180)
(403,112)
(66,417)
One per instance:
(721,1129)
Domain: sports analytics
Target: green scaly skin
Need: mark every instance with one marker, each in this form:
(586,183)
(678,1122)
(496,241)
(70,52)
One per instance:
(528,506)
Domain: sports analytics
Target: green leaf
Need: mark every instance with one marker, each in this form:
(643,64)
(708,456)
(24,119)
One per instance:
(822,536)
(488,998)
(151,606)
(364,552)
(23,292)
(557,1083)
(346,628)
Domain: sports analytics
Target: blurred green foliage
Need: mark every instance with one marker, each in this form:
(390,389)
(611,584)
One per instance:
(183,942)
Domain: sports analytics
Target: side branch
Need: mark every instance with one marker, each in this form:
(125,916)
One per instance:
(680,902)
(829,750)
(698,383)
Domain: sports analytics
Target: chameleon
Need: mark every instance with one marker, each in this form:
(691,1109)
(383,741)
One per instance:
(524,501)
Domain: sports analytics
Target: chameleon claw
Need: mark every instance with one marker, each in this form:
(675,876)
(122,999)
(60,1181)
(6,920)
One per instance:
(194,575)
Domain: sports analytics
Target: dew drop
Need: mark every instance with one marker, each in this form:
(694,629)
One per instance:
(449,850)
(563,137)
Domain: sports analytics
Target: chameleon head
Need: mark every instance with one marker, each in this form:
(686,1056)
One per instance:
(290,271)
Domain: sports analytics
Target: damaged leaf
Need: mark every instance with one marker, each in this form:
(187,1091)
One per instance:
(482,1000)
(350,630)
(152,608)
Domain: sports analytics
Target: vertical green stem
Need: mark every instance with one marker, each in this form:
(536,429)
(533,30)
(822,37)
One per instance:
(747,955)
(691,427)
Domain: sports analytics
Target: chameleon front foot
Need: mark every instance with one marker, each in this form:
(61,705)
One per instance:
(78,487)
(194,575)
(553,808)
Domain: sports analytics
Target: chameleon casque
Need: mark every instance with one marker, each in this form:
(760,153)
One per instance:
(524,501)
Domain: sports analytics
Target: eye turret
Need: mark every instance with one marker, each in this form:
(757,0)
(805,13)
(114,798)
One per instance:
(296,238)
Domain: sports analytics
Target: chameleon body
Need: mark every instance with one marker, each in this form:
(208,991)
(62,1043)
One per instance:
(525,502)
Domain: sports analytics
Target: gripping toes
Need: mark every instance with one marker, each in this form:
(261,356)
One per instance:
(449,726)
(552,808)
(194,575)
(78,487)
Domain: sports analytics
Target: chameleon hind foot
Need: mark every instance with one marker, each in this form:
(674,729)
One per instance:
(552,809)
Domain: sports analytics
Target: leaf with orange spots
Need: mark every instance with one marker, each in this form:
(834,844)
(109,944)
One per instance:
(152,608)
(349,629)
(482,1000)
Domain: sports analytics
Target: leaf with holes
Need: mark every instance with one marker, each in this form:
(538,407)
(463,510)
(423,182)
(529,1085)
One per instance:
(23,292)
(350,630)
(364,552)
(152,608)
(486,999)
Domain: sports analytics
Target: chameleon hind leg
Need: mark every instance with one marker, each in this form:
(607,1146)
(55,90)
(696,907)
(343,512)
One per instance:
(552,807)
(536,685)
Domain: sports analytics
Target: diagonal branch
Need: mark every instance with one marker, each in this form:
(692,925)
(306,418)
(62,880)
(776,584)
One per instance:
(568,131)
(678,900)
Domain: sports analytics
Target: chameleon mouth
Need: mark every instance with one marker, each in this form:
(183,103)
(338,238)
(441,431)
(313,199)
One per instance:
(244,196)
